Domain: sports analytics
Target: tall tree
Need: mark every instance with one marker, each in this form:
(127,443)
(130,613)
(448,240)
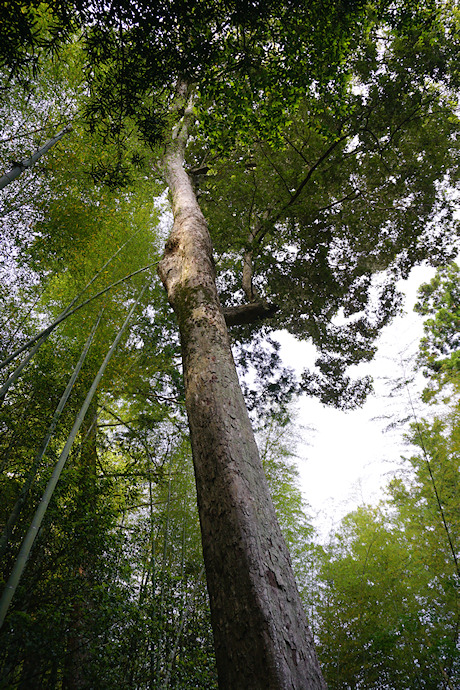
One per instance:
(284,93)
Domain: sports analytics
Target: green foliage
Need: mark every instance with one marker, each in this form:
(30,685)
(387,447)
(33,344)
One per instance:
(137,54)
(439,354)
(332,207)
(113,576)
(26,29)
(79,605)
(327,136)
(324,148)
(388,603)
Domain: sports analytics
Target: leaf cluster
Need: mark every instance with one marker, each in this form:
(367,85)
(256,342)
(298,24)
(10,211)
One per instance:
(439,352)
(345,198)
(388,602)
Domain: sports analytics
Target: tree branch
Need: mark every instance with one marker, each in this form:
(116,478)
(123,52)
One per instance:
(249,313)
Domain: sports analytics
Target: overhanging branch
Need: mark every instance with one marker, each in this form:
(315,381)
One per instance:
(249,313)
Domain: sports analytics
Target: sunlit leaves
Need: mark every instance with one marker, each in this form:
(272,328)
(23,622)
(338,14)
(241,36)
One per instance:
(345,196)
(389,582)
(439,348)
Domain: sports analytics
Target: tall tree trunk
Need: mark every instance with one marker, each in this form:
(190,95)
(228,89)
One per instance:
(261,635)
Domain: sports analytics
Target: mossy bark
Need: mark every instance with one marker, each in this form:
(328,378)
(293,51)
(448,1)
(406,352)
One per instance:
(261,635)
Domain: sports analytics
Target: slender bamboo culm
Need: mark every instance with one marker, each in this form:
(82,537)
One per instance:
(64,315)
(88,285)
(20,166)
(17,372)
(29,539)
(433,483)
(44,444)
(183,619)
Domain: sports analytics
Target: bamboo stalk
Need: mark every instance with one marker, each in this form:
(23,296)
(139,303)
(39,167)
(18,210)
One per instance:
(44,445)
(20,166)
(16,373)
(184,616)
(64,315)
(27,544)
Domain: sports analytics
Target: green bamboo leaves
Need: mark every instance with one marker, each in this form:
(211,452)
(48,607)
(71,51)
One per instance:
(26,547)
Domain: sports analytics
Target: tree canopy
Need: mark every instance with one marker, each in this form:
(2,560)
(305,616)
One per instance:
(324,137)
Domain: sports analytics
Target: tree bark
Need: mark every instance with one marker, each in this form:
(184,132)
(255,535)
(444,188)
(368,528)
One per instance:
(261,635)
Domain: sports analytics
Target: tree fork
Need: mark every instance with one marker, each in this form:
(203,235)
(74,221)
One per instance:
(261,635)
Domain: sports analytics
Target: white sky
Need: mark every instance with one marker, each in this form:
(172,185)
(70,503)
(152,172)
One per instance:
(345,457)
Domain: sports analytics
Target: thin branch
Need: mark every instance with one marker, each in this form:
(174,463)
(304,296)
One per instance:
(349,197)
(313,168)
(297,150)
(266,156)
